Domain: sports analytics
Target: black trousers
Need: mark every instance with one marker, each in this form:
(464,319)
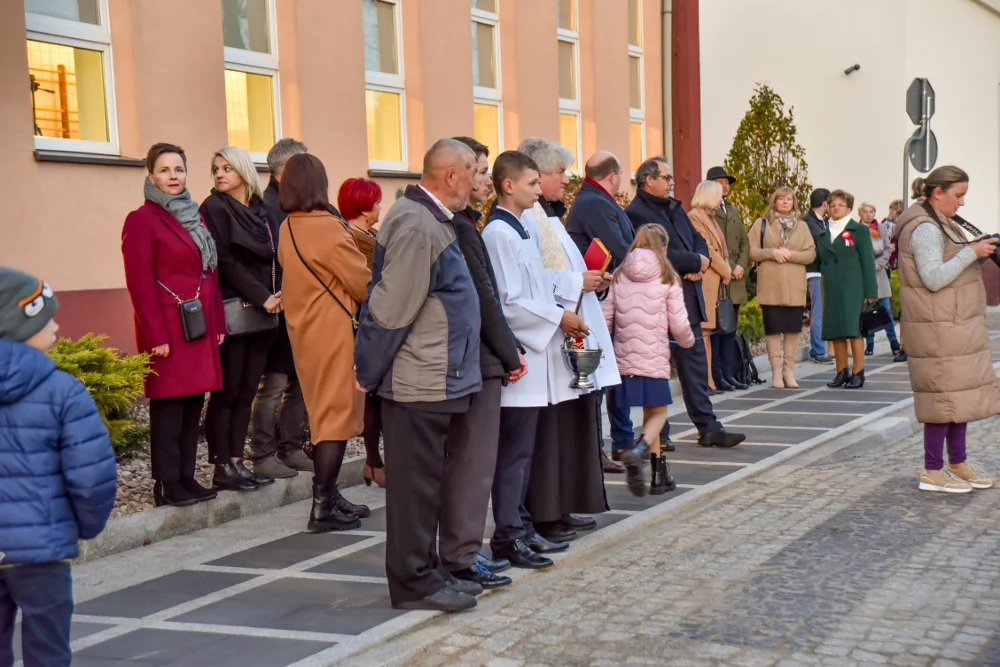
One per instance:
(518,429)
(228,416)
(724,352)
(692,371)
(173,436)
(417,440)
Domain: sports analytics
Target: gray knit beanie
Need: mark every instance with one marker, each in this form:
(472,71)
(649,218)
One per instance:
(26,304)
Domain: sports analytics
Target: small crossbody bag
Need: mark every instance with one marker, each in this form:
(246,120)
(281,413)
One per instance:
(191,312)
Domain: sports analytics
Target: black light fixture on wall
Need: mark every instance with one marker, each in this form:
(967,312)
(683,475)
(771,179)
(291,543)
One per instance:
(852,69)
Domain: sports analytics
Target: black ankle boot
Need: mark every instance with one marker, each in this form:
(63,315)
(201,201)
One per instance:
(197,490)
(869,349)
(172,493)
(634,460)
(349,508)
(228,478)
(843,377)
(894,346)
(857,381)
(253,477)
(660,482)
(326,516)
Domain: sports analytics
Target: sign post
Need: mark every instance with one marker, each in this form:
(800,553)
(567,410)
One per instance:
(921,148)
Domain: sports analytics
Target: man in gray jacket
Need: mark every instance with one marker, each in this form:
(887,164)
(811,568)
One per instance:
(418,346)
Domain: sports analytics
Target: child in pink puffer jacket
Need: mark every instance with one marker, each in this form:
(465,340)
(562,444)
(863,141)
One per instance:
(645,305)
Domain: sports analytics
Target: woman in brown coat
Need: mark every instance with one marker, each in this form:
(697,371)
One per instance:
(787,249)
(707,197)
(360,202)
(944,308)
(325,279)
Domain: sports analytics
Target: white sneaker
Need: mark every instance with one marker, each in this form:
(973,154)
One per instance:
(973,477)
(943,482)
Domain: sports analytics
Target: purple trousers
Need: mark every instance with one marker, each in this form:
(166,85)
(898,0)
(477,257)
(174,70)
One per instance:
(935,436)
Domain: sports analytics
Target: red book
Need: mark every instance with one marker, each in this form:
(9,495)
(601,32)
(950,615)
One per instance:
(597,257)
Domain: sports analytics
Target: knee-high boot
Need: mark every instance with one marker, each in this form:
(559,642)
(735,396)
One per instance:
(791,350)
(774,356)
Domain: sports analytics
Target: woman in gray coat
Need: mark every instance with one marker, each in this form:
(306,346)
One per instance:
(882,247)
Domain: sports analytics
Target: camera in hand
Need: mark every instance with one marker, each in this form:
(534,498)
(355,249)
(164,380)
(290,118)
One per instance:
(996,253)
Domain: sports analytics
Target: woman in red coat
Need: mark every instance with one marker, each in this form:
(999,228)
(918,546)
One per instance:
(170,257)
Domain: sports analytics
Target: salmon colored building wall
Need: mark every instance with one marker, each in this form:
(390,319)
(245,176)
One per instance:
(63,220)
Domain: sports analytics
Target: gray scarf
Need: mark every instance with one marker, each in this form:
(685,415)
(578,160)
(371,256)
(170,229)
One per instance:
(785,225)
(185,211)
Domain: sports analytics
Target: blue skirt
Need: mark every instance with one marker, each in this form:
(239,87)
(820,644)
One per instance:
(643,392)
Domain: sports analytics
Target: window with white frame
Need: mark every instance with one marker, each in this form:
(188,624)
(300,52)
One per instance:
(569,78)
(488,123)
(637,101)
(252,103)
(69,68)
(384,99)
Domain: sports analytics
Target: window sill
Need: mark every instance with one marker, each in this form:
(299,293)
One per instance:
(388,173)
(42,155)
(262,168)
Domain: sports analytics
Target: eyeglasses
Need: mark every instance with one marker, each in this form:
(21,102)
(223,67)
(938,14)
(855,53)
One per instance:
(666,178)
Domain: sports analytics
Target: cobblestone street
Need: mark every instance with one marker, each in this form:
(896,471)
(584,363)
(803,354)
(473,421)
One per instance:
(837,564)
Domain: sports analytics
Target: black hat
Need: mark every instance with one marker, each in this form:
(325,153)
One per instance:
(719,172)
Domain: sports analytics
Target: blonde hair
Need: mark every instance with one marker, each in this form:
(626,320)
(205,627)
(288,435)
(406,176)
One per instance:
(654,237)
(243,164)
(897,206)
(771,214)
(869,205)
(707,195)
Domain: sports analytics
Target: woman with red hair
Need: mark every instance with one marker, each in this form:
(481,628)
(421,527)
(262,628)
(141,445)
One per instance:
(359,201)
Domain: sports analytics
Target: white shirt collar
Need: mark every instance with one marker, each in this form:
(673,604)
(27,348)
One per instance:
(444,209)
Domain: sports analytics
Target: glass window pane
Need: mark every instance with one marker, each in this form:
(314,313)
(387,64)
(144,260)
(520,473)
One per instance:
(485,5)
(250,111)
(566,10)
(487,127)
(569,132)
(637,144)
(84,11)
(384,116)
(635,82)
(483,55)
(67,92)
(246,25)
(567,70)
(635,22)
(380,37)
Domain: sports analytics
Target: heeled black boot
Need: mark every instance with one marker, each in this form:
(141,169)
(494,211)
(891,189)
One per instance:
(857,381)
(634,460)
(843,377)
(228,478)
(349,508)
(325,516)
(253,477)
(660,482)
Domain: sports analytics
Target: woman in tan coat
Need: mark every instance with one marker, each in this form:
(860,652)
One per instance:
(325,280)
(944,308)
(781,259)
(706,199)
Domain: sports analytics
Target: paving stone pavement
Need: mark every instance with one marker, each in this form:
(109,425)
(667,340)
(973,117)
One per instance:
(840,564)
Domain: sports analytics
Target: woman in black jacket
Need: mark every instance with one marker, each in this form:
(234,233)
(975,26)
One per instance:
(237,218)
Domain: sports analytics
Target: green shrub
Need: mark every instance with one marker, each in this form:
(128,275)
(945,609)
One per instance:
(114,380)
(894,283)
(751,325)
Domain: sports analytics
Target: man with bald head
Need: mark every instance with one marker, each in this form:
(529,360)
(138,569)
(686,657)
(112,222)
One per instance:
(418,347)
(596,214)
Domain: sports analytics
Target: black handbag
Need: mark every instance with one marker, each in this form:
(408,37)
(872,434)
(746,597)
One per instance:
(191,313)
(752,276)
(355,324)
(244,318)
(874,317)
(725,312)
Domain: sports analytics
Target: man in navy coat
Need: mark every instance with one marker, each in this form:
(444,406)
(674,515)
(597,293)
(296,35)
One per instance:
(688,253)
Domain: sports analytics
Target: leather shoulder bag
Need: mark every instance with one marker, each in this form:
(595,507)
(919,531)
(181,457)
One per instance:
(244,318)
(725,312)
(191,313)
(354,318)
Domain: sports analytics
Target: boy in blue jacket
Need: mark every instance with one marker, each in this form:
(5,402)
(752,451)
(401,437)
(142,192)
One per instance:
(57,475)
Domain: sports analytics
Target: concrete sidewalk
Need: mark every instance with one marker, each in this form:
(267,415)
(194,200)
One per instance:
(258,591)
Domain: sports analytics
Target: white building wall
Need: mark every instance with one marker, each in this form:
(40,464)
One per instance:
(853,127)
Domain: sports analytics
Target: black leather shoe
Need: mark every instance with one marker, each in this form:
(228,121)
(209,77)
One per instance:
(715,392)
(477,574)
(521,555)
(463,586)
(539,544)
(577,522)
(255,477)
(737,384)
(723,385)
(666,445)
(857,380)
(556,532)
(228,478)
(720,438)
(609,465)
(174,494)
(325,516)
(842,378)
(495,566)
(349,508)
(198,490)
(900,357)
(447,599)
(634,460)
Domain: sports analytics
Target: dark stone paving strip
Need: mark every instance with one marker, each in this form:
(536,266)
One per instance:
(289,550)
(815,421)
(158,594)
(804,405)
(797,597)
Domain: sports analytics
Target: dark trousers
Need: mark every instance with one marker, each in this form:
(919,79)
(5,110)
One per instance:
(724,352)
(228,415)
(622,433)
(416,443)
(173,436)
(279,415)
(44,594)
(468,478)
(691,366)
(518,428)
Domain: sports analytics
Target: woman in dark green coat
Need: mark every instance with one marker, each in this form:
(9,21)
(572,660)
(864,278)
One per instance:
(848,268)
